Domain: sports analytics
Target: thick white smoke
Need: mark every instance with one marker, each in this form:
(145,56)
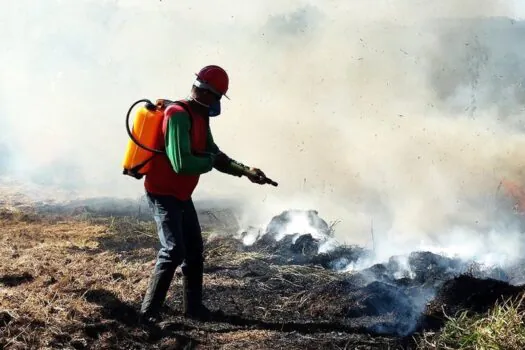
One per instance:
(405,113)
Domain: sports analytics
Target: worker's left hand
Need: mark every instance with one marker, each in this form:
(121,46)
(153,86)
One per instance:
(257,176)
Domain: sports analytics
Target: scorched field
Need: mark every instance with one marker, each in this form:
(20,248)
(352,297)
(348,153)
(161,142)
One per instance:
(73,274)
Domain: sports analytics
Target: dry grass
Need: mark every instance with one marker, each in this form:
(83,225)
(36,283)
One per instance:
(76,282)
(49,266)
(237,338)
(501,328)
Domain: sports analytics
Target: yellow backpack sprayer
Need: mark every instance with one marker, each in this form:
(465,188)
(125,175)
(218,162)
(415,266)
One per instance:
(144,136)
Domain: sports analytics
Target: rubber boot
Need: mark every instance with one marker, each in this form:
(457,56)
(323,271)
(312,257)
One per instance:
(192,299)
(156,294)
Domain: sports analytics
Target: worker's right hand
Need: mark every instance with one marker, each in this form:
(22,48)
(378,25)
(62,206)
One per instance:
(256,175)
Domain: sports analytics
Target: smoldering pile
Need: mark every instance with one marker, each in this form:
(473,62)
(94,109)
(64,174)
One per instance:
(404,286)
(302,237)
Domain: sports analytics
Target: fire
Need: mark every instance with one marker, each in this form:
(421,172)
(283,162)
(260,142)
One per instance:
(516,192)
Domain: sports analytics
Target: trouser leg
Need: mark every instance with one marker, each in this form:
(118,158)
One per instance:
(193,265)
(167,212)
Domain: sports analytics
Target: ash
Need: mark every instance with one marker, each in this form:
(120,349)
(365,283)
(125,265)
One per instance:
(405,287)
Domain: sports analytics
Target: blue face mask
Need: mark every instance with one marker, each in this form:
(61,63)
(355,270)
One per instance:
(215,109)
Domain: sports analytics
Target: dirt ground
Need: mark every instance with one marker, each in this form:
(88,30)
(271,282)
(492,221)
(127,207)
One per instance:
(74,279)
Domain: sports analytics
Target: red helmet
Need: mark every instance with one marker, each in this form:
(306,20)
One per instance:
(213,78)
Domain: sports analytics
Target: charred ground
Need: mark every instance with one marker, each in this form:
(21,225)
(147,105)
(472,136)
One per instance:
(73,277)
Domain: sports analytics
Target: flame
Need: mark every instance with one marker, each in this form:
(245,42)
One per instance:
(517,192)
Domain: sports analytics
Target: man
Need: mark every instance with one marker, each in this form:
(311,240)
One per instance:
(190,152)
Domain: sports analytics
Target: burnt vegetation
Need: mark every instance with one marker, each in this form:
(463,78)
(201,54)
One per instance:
(72,277)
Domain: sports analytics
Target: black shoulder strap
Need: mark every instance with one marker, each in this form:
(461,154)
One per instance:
(185,107)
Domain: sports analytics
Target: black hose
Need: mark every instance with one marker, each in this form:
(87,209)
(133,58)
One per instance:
(149,105)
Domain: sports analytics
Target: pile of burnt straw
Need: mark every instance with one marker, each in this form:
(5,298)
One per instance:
(420,288)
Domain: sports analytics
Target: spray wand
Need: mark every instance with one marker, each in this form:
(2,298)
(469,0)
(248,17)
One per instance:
(253,173)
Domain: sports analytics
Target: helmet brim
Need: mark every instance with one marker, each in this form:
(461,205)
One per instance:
(203,85)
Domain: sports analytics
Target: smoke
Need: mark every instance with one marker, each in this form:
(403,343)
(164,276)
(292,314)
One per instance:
(397,118)
(407,119)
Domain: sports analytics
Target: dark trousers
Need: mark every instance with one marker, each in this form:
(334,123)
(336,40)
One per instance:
(181,245)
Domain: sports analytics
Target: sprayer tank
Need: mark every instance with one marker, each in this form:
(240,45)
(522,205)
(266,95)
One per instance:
(146,130)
